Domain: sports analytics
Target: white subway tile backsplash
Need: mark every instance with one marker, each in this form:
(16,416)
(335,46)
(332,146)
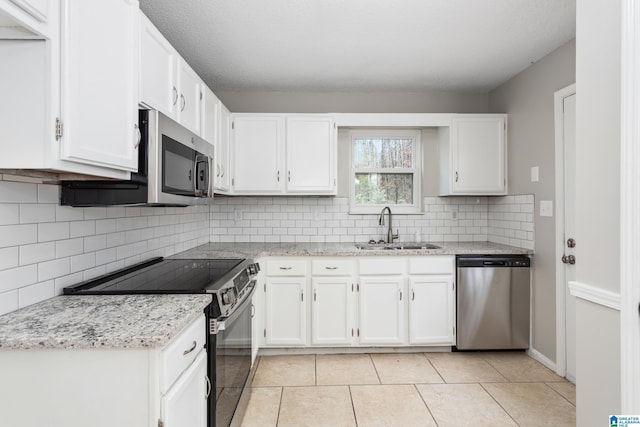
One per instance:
(53,231)
(18,277)
(9,214)
(34,213)
(8,301)
(13,235)
(48,193)
(9,257)
(68,213)
(37,252)
(35,293)
(18,192)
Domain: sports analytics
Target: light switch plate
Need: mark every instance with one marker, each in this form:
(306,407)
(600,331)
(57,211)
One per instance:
(535,174)
(546,207)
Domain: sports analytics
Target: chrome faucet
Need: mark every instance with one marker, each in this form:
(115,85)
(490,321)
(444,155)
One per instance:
(390,235)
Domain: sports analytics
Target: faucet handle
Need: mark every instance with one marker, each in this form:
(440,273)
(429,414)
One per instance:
(395,236)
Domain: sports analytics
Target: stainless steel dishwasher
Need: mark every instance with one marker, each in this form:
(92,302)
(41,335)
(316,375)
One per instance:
(493,302)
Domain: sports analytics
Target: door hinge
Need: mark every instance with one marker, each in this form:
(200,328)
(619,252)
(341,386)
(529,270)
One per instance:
(265,287)
(58,129)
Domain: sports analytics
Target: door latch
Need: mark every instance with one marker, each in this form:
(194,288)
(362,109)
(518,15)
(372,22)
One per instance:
(569,259)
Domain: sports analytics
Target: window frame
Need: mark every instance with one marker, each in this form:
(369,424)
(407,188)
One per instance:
(416,170)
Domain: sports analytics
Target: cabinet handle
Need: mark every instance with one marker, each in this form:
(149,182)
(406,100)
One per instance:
(222,169)
(138,136)
(351,331)
(217,171)
(278,176)
(314,295)
(289,177)
(456,176)
(183,102)
(175,95)
(190,349)
(208,387)
(253,311)
(331,268)
(400,294)
(413,295)
(302,296)
(285,268)
(358,331)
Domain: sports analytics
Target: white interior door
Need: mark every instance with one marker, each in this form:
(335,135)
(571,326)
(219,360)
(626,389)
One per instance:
(569,138)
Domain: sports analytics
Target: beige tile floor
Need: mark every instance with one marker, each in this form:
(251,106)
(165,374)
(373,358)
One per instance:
(414,389)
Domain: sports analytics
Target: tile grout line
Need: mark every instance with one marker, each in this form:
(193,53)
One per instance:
(353,406)
(434,368)
(415,386)
(375,368)
(560,394)
(280,405)
(498,403)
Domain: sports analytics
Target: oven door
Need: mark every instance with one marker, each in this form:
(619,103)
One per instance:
(233,359)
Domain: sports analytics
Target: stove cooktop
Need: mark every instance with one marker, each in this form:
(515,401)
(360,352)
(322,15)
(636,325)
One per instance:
(162,276)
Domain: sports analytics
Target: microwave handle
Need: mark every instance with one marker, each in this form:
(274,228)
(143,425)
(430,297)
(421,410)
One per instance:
(202,159)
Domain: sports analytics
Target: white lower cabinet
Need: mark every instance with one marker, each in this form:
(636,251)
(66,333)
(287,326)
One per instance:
(103,387)
(332,311)
(360,301)
(286,302)
(183,405)
(431,310)
(382,310)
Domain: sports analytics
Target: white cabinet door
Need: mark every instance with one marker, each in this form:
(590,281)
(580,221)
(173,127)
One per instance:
(210,116)
(431,310)
(311,154)
(285,306)
(184,405)
(258,147)
(332,311)
(99,82)
(478,155)
(382,310)
(190,99)
(222,181)
(157,70)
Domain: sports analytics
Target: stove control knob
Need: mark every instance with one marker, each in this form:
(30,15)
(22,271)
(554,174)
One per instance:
(226,297)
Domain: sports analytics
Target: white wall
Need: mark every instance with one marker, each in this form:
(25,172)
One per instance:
(528,98)
(598,205)
(45,247)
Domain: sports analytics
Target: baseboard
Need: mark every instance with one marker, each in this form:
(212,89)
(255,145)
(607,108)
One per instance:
(535,354)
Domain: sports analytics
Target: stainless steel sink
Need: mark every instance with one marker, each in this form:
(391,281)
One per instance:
(395,246)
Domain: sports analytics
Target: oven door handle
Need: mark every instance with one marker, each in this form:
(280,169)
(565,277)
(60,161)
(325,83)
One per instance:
(224,321)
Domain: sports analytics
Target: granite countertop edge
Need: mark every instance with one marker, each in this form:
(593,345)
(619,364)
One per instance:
(259,250)
(100,322)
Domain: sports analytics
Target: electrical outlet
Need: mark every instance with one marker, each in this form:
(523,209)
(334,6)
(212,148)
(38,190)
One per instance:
(546,208)
(239,215)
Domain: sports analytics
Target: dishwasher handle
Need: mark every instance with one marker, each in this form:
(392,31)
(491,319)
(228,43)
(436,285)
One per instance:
(495,263)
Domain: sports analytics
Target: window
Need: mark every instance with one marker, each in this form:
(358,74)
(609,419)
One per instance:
(385,171)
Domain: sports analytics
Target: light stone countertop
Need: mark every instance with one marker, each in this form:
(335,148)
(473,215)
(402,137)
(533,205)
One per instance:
(257,250)
(100,321)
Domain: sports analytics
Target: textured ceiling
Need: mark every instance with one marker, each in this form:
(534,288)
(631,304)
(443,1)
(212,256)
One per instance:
(362,45)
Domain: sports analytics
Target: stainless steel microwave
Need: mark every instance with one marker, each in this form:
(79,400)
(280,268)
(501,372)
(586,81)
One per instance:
(174,169)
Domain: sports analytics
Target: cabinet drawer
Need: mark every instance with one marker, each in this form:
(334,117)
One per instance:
(332,267)
(287,267)
(383,266)
(432,265)
(176,356)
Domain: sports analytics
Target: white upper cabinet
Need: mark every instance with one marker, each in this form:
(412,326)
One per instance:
(473,156)
(284,154)
(222,180)
(258,149)
(311,154)
(158,61)
(210,116)
(73,89)
(190,97)
(167,83)
(39,9)
(25,19)
(99,85)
